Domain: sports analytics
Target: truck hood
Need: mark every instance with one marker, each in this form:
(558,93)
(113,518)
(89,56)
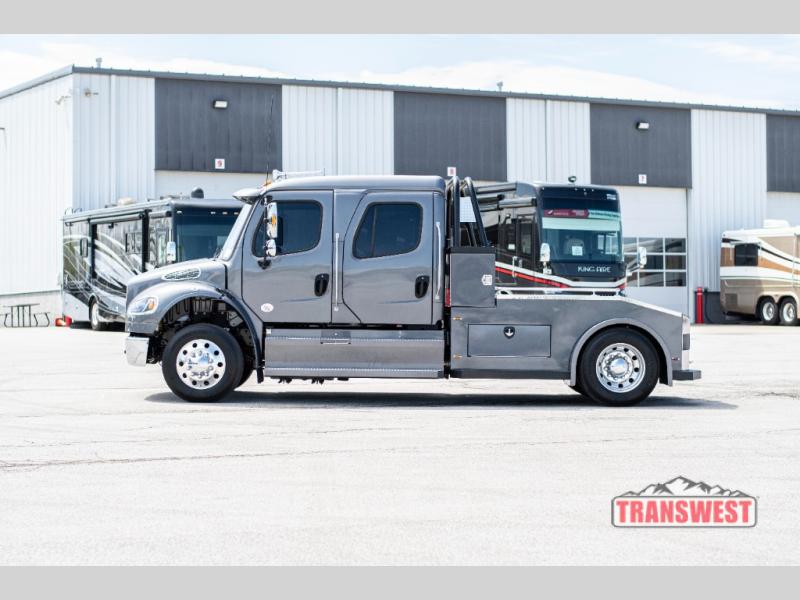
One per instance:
(211,271)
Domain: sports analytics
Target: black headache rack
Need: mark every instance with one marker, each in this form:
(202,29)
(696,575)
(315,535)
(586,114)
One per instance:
(473,231)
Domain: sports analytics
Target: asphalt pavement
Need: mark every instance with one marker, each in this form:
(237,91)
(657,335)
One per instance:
(101,464)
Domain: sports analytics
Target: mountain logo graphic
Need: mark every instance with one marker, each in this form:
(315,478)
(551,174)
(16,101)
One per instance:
(681,502)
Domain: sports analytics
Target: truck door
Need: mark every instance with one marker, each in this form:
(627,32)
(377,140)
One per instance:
(386,260)
(294,286)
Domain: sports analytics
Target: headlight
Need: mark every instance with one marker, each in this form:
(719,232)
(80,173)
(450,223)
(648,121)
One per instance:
(143,306)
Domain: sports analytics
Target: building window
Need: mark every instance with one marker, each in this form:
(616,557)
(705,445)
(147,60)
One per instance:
(666,262)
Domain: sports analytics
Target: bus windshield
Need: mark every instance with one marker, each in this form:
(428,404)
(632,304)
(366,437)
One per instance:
(582,229)
(202,234)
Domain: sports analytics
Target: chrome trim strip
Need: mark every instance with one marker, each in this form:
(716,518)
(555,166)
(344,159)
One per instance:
(438,260)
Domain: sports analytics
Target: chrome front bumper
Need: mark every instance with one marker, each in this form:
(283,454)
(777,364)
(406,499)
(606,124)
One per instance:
(136,350)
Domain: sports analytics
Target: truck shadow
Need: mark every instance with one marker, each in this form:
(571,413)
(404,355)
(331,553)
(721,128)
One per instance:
(428,400)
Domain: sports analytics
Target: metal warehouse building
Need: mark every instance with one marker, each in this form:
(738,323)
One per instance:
(85,137)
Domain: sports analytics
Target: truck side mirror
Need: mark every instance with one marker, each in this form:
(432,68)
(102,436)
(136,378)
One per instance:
(544,253)
(271,220)
(171,254)
(641,257)
(271,231)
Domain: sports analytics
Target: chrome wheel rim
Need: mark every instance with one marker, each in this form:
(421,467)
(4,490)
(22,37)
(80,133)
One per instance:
(768,311)
(620,368)
(200,364)
(95,314)
(788,312)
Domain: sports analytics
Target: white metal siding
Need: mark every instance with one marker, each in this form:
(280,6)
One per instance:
(655,212)
(214,185)
(729,185)
(114,142)
(309,129)
(526,135)
(568,141)
(365,132)
(35,184)
(784,205)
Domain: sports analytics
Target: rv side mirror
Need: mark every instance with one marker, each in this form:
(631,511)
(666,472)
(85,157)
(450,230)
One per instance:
(172,252)
(641,257)
(544,253)
(270,249)
(271,220)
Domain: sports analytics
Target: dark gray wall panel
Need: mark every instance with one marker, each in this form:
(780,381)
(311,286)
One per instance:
(190,133)
(434,131)
(783,153)
(620,151)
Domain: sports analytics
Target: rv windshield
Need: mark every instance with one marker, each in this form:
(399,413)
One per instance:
(582,229)
(202,234)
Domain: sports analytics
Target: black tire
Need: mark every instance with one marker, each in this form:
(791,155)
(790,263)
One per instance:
(211,350)
(637,356)
(768,311)
(577,388)
(247,371)
(94,317)
(788,312)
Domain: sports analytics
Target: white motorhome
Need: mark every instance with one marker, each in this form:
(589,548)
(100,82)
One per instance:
(759,272)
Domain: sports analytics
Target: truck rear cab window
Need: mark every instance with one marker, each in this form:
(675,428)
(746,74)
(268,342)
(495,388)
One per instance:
(299,228)
(388,229)
(745,255)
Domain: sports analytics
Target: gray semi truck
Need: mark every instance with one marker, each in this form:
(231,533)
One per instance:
(328,278)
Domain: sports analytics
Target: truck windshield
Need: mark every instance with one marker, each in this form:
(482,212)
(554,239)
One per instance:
(582,229)
(226,252)
(202,234)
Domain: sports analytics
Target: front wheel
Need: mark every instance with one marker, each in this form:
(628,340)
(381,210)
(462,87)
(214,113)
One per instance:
(788,312)
(619,367)
(202,363)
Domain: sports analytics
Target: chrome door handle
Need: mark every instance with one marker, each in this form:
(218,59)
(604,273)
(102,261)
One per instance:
(336,272)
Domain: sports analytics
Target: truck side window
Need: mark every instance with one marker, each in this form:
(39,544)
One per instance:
(299,228)
(745,255)
(388,229)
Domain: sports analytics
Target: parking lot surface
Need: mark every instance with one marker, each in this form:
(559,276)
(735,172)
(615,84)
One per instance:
(101,464)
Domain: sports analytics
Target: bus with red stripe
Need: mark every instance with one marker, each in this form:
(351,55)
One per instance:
(554,235)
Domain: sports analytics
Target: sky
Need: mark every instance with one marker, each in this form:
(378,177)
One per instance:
(745,70)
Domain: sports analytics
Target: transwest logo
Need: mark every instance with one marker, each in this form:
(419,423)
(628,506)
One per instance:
(681,502)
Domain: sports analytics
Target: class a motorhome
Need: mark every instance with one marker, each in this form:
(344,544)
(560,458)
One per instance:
(760,272)
(104,248)
(554,235)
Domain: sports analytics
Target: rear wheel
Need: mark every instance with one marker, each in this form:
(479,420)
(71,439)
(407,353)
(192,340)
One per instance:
(202,363)
(788,312)
(768,311)
(618,367)
(94,316)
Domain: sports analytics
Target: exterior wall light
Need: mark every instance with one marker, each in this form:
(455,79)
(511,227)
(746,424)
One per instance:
(220,104)
(642,125)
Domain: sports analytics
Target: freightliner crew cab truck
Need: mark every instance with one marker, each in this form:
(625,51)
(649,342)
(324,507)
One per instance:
(327,278)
